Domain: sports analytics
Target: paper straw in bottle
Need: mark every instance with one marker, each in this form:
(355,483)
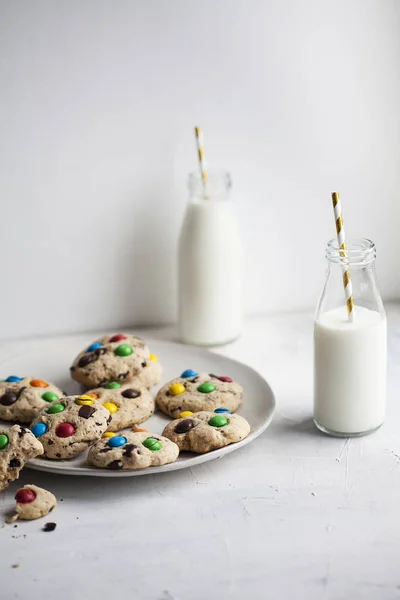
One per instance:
(202,160)
(348,288)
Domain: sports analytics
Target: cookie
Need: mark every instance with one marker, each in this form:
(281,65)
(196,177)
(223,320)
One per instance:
(33,503)
(115,357)
(17,446)
(150,373)
(198,391)
(21,398)
(66,428)
(205,431)
(127,405)
(131,451)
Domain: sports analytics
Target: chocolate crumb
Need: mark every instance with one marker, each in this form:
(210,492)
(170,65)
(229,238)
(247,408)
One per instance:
(15,526)
(49,526)
(14,463)
(15,566)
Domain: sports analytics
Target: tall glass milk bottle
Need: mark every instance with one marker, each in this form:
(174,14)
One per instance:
(210,264)
(350,357)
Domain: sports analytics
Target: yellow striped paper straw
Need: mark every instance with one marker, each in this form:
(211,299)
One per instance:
(348,288)
(202,159)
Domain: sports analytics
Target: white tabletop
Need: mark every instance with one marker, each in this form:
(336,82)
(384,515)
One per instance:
(294,515)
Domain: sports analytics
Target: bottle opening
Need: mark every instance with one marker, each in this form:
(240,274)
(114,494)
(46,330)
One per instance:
(357,252)
(218,184)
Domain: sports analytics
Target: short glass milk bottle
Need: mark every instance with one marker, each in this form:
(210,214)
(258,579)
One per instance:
(350,357)
(210,264)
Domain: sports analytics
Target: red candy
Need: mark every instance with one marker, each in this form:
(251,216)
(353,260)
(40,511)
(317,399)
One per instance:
(25,495)
(226,379)
(64,430)
(117,338)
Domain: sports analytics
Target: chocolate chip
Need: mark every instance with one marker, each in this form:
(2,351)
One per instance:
(129,448)
(86,359)
(214,376)
(194,380)
(115,465)
(144,364)
(14,463)
(131,393)
(49,526)
(100,351)
(123,375)
(109,420)
(106,449)
(99,424)
(50,442)
(86,411)
(8,399)
(184,426)
(22,431)
(58,455)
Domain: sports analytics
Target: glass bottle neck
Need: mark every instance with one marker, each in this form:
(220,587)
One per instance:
(215,187)
(356,254)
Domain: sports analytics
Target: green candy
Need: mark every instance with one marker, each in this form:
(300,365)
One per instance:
(123,350)
(218,421)
(3,441)
(112,385)
(152,444)
(206,388)
(56,408)
(49,396)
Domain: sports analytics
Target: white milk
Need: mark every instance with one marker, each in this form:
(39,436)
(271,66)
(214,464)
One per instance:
(210,273)
(350,371)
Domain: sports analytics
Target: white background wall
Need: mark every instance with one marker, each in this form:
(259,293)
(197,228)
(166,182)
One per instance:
(97,104)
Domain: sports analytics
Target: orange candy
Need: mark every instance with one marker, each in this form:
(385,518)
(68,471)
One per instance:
(39,383)
(94,396)
(136,429)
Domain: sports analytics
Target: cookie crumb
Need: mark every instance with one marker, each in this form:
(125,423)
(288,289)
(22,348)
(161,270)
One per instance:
(49,526)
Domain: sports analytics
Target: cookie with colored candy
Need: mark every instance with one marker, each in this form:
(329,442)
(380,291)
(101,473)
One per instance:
(131,451)
(116,357)
(17,446)
(33,502)
(198,391)
(127,405)
(205,431)
(21,398)
(150,373)
(67,427)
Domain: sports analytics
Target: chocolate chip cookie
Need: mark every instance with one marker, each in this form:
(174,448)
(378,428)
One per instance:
(67,427)
(17,446)
(128,405)
(21,398)
(132,450)
(204,431)
(115,357)
(198,391)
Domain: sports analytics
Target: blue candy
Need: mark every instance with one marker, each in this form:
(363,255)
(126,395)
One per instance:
(189,373)
(13,379)
(222,411)
(39,429)
(116,441)
(94,346)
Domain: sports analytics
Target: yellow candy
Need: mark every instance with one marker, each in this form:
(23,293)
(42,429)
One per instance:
(176,388)
(185,413)
(111,407)
(84,400)
(108,434)
(153,357)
